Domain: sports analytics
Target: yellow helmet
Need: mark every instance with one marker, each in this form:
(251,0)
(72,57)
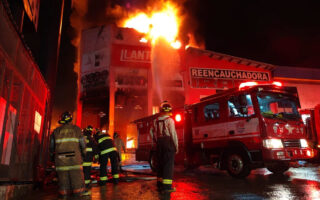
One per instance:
(165,107)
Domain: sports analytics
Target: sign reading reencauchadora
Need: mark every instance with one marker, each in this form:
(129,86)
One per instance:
(208,73)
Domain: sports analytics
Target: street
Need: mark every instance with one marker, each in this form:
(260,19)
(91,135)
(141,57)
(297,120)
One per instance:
(205,182)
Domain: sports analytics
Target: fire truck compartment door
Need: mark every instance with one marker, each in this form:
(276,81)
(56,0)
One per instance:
(243,128)
(209,132)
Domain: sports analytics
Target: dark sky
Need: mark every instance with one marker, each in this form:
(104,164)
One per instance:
(277,32)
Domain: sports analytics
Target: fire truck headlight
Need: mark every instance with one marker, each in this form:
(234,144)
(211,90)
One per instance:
(304,143)
(272,143)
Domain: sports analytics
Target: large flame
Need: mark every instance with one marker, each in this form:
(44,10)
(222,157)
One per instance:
(163,23)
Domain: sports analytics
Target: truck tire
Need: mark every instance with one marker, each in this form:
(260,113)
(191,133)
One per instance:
(278,169)
(153,161)
(237,164)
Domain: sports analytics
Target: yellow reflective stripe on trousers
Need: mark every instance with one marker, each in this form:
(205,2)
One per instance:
(67,140)
(87,141)
(115,175)
(108,150)
(87,181)
(68,168)
(88,149)
(167,181)
(103,178)
(87,164)
(103,139)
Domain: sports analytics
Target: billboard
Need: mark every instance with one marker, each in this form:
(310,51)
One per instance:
(95,58)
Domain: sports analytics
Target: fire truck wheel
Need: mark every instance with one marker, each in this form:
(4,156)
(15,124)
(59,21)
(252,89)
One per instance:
(153,161)
(237,164)
(278,169)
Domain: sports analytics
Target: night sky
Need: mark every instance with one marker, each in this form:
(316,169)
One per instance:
(279,32)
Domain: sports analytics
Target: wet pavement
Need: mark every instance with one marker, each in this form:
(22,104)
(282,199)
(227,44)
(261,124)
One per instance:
(205,182)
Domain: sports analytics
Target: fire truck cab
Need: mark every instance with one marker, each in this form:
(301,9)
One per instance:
(253,126)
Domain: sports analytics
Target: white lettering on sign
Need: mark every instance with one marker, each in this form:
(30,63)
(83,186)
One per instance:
(229,74)
(135,55)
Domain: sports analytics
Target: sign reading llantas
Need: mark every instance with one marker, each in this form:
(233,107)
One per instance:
(132,55)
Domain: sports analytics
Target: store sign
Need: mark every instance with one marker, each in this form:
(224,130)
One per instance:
(131,56)
(207,73)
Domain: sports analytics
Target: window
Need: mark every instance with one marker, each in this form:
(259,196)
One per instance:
(2,111)
(8,137)
(277,105)
(211,112)
(37,122)
(240,106)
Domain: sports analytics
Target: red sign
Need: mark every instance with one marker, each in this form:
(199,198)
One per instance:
(207,72)
(131,56)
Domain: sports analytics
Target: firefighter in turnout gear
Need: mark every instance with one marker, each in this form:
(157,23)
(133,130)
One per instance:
(164,133)
(107,150)
(118,142)
(68,147)
(91,150)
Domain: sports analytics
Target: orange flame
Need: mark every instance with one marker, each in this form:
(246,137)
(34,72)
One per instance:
(163,23)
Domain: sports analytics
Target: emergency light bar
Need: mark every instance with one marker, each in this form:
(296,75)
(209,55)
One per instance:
(252,83)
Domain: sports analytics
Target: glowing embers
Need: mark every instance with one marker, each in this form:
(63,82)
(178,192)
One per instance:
(157,23)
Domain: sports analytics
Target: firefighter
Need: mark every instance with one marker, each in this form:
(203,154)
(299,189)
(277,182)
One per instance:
(68,147)
(91,150)
(164,133)
(107,150)
(118,142)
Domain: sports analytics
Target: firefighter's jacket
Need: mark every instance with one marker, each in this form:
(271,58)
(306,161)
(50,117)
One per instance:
(69,147)
(91,145)
(164,126)
(105,143)
(118,142)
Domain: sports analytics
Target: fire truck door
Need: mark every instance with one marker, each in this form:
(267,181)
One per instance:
(242,122)
(208,126)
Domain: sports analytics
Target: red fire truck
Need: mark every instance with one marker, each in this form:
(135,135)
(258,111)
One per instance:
(311,118)
(253,126)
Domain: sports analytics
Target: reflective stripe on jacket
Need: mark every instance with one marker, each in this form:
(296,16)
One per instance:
(105,143)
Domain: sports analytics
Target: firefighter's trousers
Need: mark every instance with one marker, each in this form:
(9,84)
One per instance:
(165,155)
(113,155)
(87,163)
(70,180)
